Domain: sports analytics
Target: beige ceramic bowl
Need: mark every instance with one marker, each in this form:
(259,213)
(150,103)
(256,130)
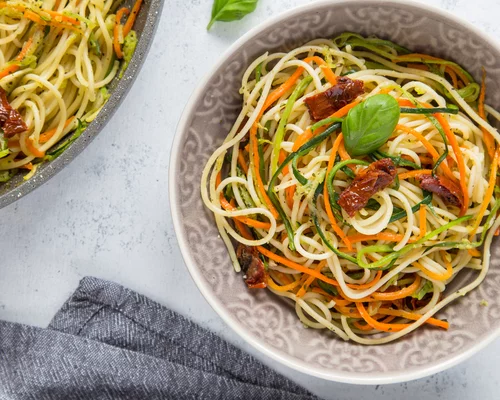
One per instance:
(261,318)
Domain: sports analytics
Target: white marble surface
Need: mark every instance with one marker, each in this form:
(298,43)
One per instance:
(107,213)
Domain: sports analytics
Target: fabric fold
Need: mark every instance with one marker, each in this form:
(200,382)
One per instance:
(108,342)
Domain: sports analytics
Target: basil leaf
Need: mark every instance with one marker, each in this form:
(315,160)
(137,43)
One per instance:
(231,10)
(370,124)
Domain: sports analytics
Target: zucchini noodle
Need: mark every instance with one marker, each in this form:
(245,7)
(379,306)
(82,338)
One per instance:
(384,270)
(56,59)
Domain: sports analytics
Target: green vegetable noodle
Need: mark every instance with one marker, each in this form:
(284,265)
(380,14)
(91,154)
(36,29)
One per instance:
(368,183)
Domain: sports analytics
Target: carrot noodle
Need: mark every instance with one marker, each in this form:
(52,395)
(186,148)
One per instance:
(423,221)
(368,261)
(428,146)
(489,192)
(131,19)
(413,174)
(326,198)
(309,280)
(119,32)
(460,159)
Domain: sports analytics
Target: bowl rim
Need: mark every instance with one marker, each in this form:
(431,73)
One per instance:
(358,378)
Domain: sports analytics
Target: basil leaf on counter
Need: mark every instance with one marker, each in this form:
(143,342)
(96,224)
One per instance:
(231,10)
(370,124)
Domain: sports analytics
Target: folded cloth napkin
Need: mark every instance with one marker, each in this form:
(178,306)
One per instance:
(108,342)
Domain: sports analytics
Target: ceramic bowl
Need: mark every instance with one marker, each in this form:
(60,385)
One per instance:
(145,26)
(261,318)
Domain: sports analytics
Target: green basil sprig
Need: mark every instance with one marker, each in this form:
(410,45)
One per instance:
(231,10)
(370,124)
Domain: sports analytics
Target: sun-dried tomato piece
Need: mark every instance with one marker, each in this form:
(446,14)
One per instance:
(324,104)
(445,188)
(371,180)
(11,121)
(255,272)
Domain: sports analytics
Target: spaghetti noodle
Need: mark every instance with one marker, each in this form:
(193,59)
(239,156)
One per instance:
(358,181)
(57,58)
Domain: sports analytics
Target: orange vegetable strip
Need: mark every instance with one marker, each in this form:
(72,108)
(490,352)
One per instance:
(368,285)
(329,75)
(290,264)
(413,316)
(280,91)
(379,325)
(344,155)
(476,252)
(400,294)
(283,277)
(33,149)
(281,159)
(338,300)
(61,17)
(405,103)
(489,193)
(405,57)
(10,69)
(242,162)
(348,311)
(344,110)
(387,296)
(45,137)
(459,156)
(57,17)
(313,272)
(428,146)
(245,220)
(25,49)
(310,280)
(116,31)
(433,275)
(421,67)
(358,325)
(284,288)
(131,19)
(34,17)
(453,76)
(28,166)
(362,327)
(326,198)
(423,221)
(273,96)
(302,139)
(386,90)
(413,174)
(487,138)
(387,236)
(289,191)
(245,232)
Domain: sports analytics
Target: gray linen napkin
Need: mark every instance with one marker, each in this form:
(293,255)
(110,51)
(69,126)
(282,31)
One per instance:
(108,342)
